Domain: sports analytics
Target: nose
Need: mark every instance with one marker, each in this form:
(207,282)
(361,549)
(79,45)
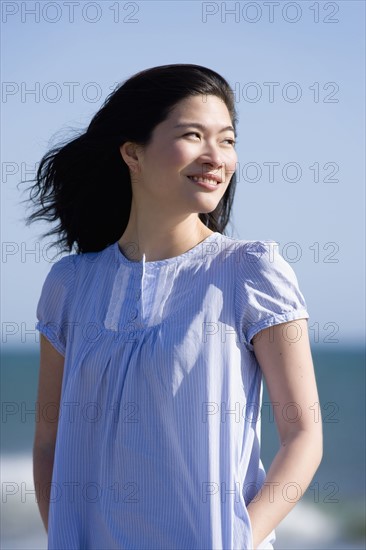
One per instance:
(212,157)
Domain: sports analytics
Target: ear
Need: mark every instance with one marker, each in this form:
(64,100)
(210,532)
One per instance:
(130,154)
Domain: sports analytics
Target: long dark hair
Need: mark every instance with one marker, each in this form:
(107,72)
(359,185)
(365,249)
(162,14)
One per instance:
(84,184)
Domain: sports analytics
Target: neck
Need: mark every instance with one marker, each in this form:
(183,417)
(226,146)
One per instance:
(159,241)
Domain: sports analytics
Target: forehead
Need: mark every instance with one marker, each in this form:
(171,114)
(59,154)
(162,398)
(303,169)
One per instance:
(201,108)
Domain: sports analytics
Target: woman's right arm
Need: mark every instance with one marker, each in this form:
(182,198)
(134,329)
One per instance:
(48,399)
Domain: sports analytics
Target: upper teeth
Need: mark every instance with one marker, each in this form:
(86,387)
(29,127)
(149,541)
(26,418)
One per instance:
(205,180)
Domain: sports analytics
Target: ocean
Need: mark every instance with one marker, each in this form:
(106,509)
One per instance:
(330,515)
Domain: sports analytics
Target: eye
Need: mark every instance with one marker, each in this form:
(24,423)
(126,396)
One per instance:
(192,134)
(231,141)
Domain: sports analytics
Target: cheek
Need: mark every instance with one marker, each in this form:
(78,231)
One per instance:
(167,157)
(177,155)
(232,159)
(231,166)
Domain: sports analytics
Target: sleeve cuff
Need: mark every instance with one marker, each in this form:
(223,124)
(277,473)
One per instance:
(48,330)
(272,321)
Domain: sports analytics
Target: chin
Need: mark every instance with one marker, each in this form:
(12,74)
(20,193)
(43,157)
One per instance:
(206,208)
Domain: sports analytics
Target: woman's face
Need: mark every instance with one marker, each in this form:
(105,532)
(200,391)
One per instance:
(195,140)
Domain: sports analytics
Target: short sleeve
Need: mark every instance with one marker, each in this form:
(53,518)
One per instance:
(54,303)
(267,291)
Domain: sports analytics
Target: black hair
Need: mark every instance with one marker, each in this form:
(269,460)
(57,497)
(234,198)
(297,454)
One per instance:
(84,184)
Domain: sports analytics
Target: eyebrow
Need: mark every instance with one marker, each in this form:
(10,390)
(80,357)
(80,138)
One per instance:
(202,127)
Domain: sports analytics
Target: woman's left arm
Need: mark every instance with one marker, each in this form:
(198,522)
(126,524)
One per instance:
(284,355)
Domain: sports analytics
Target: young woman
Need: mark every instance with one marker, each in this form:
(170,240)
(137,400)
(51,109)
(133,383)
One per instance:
(156,332)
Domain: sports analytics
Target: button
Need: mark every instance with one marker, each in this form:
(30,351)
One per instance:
(134,314)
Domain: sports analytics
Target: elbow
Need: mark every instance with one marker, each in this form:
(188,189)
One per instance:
(315,445)
(317,439)
(319,451)
(309,442)
(43,453)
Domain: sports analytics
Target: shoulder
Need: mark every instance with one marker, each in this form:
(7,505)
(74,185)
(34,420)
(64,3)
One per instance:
(62,271)
(260,265)
(251,256)
(267,290)
(264,259)
(72,265)
(64,278)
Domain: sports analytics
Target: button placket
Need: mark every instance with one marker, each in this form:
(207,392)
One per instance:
(135,302)
(120,290)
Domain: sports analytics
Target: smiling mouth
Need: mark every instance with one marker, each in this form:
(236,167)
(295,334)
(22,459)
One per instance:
(212,182)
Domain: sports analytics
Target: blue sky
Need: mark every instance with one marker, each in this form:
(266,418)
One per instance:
(311,131)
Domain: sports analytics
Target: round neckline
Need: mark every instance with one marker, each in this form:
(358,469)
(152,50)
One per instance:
(192,252)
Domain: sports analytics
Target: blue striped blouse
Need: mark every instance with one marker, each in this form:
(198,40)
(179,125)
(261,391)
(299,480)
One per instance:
(158,443)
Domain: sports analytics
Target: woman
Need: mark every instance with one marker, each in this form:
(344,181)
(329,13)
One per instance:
(156,333)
